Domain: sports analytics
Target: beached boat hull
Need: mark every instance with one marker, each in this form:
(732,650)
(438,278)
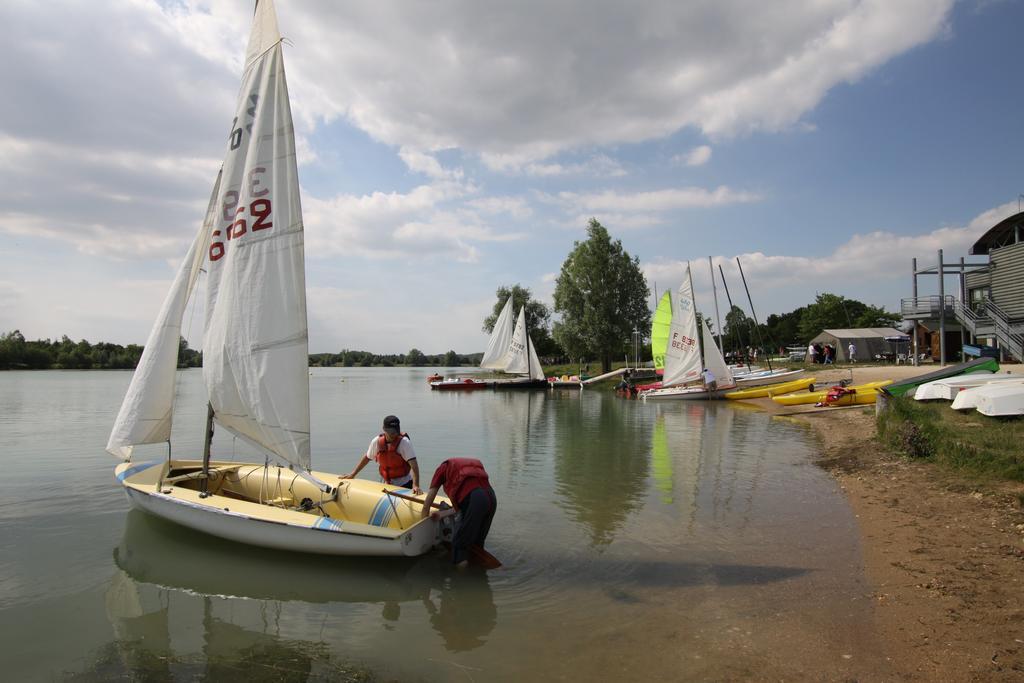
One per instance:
(801,398)
(772,389)
(358,518)
(947,389)
(979,365)
(967,399)
(1005,399)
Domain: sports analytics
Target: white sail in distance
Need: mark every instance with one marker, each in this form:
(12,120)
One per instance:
(496,355)
(518,363)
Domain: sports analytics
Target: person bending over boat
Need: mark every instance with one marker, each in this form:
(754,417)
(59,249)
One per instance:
(392,450)
(466,484)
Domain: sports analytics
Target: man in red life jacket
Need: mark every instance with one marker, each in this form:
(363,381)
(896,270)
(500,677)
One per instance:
(466,484)
(395,457)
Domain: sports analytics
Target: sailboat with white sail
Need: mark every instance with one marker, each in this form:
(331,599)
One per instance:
(255,360)
(684,361)
(521,359)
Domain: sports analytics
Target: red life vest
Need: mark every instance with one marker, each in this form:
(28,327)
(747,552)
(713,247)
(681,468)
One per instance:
(391,464)
(464,475)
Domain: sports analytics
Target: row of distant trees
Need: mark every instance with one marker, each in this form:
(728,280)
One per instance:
(44,354)
(415,357)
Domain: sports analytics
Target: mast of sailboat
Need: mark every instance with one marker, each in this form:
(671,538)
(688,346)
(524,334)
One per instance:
(207,440)
(693,295)
(739,337)
(718,317)
(767,356)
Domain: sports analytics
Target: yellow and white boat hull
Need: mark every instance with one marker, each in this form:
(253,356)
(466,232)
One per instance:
(772,389)
(862,390)
(274,507)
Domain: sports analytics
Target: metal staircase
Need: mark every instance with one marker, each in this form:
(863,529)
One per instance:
(1012,342)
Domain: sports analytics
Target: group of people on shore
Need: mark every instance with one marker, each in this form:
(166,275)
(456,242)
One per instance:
(825,354)
(464,481)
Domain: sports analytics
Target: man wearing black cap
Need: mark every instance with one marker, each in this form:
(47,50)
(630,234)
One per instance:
(395,457)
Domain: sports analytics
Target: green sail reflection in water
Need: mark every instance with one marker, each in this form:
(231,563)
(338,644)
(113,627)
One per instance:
(661,460)
(659,330)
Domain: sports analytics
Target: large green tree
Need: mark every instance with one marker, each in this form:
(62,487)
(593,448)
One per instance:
(538,317)
(601,295)
(831,311)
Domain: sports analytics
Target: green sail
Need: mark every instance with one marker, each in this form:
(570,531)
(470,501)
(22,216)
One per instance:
(659,330)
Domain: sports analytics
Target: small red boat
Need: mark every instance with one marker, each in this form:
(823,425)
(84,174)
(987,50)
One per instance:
(434,378)
(459,384)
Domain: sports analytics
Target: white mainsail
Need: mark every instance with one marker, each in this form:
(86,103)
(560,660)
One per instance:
(518,363)
(682,355)
(496,355)
(256,351)
(522,357)
(251,245)
(147,410)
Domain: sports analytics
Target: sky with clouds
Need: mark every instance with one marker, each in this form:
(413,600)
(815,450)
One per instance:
(448,148)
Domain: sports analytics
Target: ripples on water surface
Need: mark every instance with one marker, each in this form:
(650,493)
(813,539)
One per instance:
(680,540)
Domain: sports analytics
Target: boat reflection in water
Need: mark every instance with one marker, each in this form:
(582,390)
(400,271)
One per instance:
(172,583)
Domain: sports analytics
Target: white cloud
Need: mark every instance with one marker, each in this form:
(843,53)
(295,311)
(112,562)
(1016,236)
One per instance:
(658,200)
(698,156)
(388,225)
(521,82)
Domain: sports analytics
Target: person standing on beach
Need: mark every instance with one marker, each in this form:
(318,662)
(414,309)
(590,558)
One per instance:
(810,353)
(851,353)
(467,485)
(396,460)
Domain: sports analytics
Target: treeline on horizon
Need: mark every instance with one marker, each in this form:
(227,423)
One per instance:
(797,327)
(44,354)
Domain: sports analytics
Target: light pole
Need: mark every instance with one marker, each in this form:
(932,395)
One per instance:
(636,348)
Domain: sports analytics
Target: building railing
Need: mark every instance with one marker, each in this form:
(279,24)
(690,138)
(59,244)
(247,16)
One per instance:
(925,306)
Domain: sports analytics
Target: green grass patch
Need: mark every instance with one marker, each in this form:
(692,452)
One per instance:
(970,442)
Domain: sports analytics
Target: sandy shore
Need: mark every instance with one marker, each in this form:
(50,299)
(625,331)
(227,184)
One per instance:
(944,554)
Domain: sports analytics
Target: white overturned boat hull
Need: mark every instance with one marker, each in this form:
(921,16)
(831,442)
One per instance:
(1002,400)
(968,399)
(286,528)
(947,389)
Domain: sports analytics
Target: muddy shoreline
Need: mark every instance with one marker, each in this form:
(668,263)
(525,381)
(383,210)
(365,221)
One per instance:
(943,552)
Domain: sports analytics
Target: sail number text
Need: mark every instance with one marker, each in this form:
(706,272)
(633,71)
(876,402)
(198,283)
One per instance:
(682,342)
(242,219)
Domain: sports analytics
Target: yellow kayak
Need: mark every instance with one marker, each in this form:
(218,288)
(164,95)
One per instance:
(772,389)
(865,394)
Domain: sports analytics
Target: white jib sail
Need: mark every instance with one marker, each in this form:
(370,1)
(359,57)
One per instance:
(517,362)
(536,371)
(256,350)
(146,413)
(682,355)
(495,357)
(713,360)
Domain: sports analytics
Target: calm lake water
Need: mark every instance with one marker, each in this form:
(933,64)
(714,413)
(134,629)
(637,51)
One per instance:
(678,540)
